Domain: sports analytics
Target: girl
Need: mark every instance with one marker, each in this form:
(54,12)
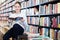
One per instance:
(19,24)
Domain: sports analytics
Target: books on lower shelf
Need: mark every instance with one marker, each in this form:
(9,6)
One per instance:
(51,33)
(44,32)
(59,35)
(3,23)
(33,29)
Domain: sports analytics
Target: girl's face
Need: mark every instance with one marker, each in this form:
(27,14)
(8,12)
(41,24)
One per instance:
(17,7)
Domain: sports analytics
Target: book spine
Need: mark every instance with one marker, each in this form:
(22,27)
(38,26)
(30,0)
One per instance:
(58,35)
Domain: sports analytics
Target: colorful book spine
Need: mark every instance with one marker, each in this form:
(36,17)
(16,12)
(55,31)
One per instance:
(59,35)
(58,7)
(36,20)
(58,20)
(54,22)
(52,33)
(56,34)
(42,21)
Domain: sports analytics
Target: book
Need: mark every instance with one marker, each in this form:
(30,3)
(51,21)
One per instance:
(41,31)
(54,22)
(52,33)
(47,21)
(58,20)
(58,7)
(23,5)
(33,20)
(56,34)
(35,29)
(42,21)
(30,11)
(59,35)
(37,20)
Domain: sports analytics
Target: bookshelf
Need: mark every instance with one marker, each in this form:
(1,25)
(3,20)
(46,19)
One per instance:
(43,17)
(50,20)
(46,13)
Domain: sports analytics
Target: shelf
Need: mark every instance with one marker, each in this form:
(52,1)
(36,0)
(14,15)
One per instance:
(4,16)
(34,25)
(30,7)
(33,16)
(44,26)
(49,27)
(8,12)
(23,1)
(12,18)
(51,2)
(49,15)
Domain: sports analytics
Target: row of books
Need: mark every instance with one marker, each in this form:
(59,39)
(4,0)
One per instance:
(52,21)
(6,14)
(4,17)
(33,29)
(6,2)
(44,1)
(7,7)
(23,5)
(45,21)
(3,23)
(53,34)
(50,9)
(32,11)
(33,20)
(7,10)
(30,3)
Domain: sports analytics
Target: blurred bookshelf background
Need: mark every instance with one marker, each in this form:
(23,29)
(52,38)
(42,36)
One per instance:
(43,18)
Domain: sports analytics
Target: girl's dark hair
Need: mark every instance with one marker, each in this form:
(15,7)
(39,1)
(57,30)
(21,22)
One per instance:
(18,3)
